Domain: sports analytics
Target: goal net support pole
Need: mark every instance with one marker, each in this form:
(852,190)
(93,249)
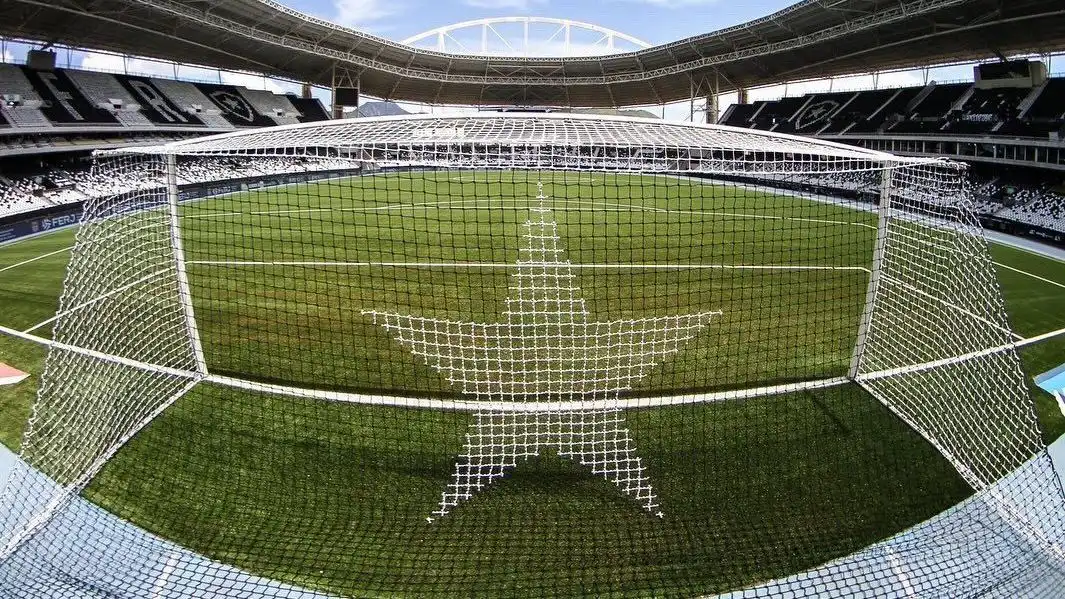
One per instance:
(882,212)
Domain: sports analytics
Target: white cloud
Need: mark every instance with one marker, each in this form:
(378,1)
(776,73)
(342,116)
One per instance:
(112,63)
(359,14)
(521,5)
(97,61)
(258,82)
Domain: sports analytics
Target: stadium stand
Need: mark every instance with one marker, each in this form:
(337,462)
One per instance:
(155,105)
(73,180)
(889,112)
(986,110)
(1045,209)
(859,108)
(234,106)
(309,109)
(929,112)
(51,119)
(276,107)
(771,115)
(62,103)
(21,105)
(1014,197)
(959,109)
(103,91)
(819,113)
(66,98)
(192,101)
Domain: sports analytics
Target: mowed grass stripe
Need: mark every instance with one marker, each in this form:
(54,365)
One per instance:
(334,497)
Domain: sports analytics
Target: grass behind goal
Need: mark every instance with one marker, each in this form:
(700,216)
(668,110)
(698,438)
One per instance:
(314,479)
(644,247)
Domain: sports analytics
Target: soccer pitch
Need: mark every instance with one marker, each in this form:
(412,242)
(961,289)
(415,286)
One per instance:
(334,496)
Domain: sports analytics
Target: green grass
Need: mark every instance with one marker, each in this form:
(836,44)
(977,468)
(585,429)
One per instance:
(334,496)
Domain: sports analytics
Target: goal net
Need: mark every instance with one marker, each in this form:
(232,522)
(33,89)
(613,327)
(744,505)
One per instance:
(528,355)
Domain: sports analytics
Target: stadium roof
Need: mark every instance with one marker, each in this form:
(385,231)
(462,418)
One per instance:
(811,39)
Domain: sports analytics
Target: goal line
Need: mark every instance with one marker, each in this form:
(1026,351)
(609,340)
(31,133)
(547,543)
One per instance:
(520,407)
(511,265)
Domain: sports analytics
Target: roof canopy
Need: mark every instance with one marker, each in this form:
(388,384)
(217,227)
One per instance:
(813,38)
(445,137)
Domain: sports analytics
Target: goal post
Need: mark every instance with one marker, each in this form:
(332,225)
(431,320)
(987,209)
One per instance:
(173,198)
(529,354)
(883,214)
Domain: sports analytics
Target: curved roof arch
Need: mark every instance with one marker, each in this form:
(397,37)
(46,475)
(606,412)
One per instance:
(524,20)
(810,39)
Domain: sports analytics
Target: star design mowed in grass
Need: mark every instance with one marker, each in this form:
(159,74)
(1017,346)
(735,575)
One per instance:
(538,369)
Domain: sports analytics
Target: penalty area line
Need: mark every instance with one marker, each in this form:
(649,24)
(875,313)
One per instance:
(1028,274)
(41,257)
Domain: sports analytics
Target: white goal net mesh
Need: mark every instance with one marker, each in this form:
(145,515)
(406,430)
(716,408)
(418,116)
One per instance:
(530,355)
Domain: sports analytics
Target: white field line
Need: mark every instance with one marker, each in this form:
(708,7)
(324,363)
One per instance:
(916,368)
(1028,274)
(491,265)
(120,360)
(161,583)
(488,181)
(461,405)
(999,264)
(99,298)
(946,303)
(480,203)
(213,215)
(1038,338)
(419,206)
(41,257)
(896,568)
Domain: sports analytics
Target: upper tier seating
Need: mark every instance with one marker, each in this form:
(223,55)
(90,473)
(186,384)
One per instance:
(276,107)
(929,115)
(776,112)
(189,98)
(72,98)
(103,90)
(894,107)
(986,109)
(310,109)
(861,105)
(817,113)
(739,115)
(1050,105)
(951,109)
(19,102)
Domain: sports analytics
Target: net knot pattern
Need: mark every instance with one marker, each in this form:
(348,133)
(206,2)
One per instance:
(262,385)
(548,349)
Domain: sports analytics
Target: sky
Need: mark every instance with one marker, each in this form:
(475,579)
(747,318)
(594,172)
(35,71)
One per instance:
(655,21)
(652,21)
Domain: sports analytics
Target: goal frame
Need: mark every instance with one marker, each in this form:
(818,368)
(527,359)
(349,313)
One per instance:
(441,135)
